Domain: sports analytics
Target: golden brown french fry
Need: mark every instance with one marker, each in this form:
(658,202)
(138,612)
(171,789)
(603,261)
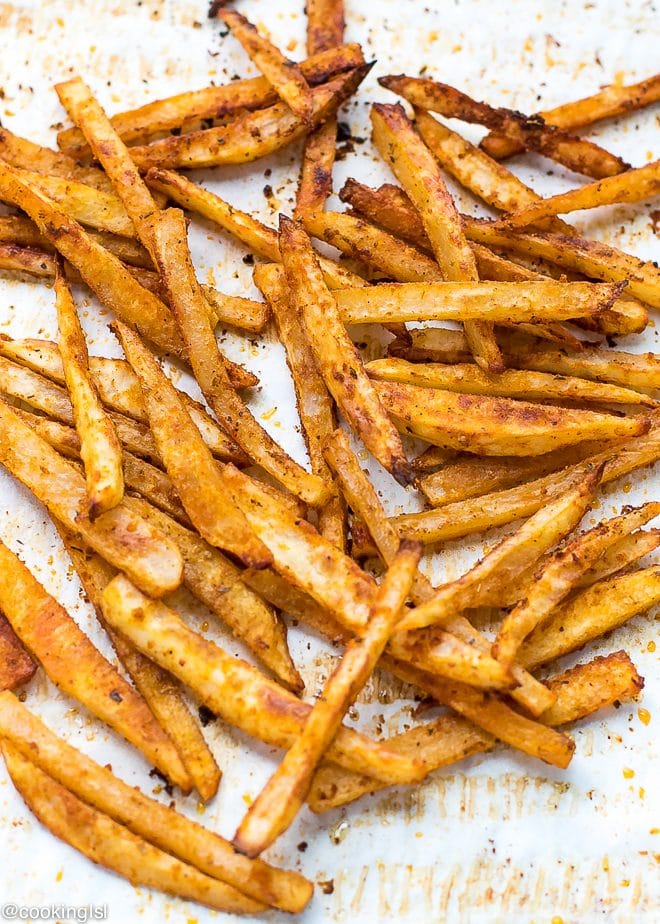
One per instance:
(337,358)
(432,459)
(612,101)
(497,426)
(560,574)
(112,845)
(623,553)
(315,406)
(100,449)
(325,25)
(283,75)
(160,825)
(236,311)
(280,800)
(26,155)
(524,384)
(78,668)
(195,474)
(171,248)
(598,609)
(16,665)
(575,153)
(587,687)
(119,536)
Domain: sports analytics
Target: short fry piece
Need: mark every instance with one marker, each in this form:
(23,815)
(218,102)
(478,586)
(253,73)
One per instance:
(587,687)
(16,665)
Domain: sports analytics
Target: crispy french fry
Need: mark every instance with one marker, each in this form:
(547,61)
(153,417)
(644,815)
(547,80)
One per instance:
(590,686)
(171,247)
(195,474)
(24,154)
(100,449)
(337,358)
(283,795)
(283,75)
(236,311)
(622,554)
(412,163)
(560,574)
(524,384)
(432,459)
(78,668)
(112,845)
(162,826)
(575,153)
(325,25)
(16,665)
(119,536)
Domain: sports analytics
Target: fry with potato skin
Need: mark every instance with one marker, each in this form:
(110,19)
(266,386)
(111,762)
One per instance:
(16,665)
(279,801)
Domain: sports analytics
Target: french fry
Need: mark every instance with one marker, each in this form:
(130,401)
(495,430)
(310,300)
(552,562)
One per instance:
(525,385)
(283,75)
(250,136)
(263,709)
(612,101)
(160,825)
(631,186)
(560,574)
(171,248)
(497,426)
(432,459)
(622,554)
(283,795)
(119,536)
(213,102)
(600,608)
(195,474)
(337,358)
(100,449)
(531,132)
(24,154)
(78,668)
(16,665)
(236,311)
(315,406)
(412,163)
(112,845)
(325,25)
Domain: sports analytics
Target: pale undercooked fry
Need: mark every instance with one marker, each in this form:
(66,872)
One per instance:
(160,690)
(283,75)
(337,358)
(112,845)
(263,709)
(512,383)
(315,406)
(100,449)
(171,247)
(195,474)
(78,668)
(162,826)
(497,426)
(559,574)
(281,798)
(16,665)
(119,536)
(575,153)
(26,155)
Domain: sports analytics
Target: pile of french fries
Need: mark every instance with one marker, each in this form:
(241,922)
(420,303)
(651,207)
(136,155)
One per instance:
(526,412)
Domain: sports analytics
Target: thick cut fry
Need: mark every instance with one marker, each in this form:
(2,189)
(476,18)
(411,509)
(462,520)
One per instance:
(16,665)
(263,709)
(560,574)
(100,449)
(119,536)
(112,845)
(590,686)
(24,154)
(598,609)
(432,459)
(325,25)
(315,406)
(337,358)
(78,668)
(410,160)
(195,474)
(250,136)
(283,75)
(162,826)
(497,426)
(512,383)
(612,101)
(280,800)
(575,153)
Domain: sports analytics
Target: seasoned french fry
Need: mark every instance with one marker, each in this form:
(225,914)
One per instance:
(100,449)
(24,154)
(16,665)
(112,845)
(281,798)
(119,536)
(337,358)
(587,687)
(623,553)
(412,163)
(236,311)
(575,153)
(78,668)
(432,459)
(325,25)
(512,383)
